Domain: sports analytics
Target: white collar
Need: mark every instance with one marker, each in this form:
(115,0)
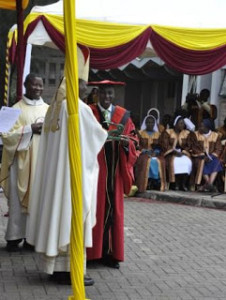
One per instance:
(33,102)
(207,134)
(143,126)
(109,109)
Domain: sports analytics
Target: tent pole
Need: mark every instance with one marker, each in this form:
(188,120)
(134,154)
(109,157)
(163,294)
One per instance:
(20,48)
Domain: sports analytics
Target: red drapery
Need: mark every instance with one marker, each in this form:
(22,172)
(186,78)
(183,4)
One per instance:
(188,61)
(105,58)
(55,35)
(115,57)
(181,59)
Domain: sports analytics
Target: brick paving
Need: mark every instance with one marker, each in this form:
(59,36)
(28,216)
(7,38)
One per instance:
(210,200)
(172,252)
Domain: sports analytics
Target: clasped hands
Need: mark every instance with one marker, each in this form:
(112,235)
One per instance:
(36,128)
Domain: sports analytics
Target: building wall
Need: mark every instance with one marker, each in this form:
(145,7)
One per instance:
(137,96)
(221,99)
(49,64)
(213,82)
(163,95)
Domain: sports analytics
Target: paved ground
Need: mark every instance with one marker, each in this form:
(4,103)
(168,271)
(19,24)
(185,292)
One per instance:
(172,252)
(210,200)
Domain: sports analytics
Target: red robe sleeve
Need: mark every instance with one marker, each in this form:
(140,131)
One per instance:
(128,158)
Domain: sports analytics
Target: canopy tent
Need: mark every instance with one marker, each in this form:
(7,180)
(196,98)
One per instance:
(192,51)
(189,50)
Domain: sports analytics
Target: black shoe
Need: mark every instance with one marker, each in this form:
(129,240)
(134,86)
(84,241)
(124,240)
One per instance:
(183,182)
(210,189)
(28,247)
(64,278)
(174,187)
(88,281)
(183,188)
(13,246)
(61,278)
(111,263)
(115,265)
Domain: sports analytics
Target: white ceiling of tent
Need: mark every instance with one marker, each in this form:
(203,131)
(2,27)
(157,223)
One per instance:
(190,13)
(39,36)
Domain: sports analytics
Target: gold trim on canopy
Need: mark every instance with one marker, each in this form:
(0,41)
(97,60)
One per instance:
(106,35)
(194,39)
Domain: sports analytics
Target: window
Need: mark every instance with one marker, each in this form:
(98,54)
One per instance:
(223,86)
(39,67)
(52,73)
(61,70)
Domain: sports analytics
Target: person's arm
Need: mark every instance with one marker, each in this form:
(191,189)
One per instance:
(185,144)
(128,157)
(217,147)
(18,138)
(206,107)
(194,146)
(129,138)
(164,142)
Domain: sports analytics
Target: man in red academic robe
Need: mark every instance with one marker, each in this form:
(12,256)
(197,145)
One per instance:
(116,161)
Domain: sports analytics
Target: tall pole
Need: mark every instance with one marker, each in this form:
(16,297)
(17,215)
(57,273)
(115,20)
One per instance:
(72,96)
(20,48)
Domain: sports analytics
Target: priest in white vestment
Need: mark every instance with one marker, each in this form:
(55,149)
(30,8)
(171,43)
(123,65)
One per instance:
(50,213)
(20,152)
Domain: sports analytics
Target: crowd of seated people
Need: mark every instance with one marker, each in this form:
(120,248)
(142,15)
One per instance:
(180,155)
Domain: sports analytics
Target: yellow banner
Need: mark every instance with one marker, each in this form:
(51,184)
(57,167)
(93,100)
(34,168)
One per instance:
(106,35)
(11,4)
(194,39)
(72,96)
(100,34)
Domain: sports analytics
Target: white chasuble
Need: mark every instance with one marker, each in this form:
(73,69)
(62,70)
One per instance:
(50,213)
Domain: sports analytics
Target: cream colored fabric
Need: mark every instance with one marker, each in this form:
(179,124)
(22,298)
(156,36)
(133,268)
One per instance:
(49,222)
(16,226)
(21,145)
(19,158)
(60,263)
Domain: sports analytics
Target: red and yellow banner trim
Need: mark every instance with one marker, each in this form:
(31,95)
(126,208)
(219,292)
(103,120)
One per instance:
(191,51)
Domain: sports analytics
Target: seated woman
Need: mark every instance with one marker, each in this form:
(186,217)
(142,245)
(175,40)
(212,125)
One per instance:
(154,112)
(174,144)
(150,166)
(206,149)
